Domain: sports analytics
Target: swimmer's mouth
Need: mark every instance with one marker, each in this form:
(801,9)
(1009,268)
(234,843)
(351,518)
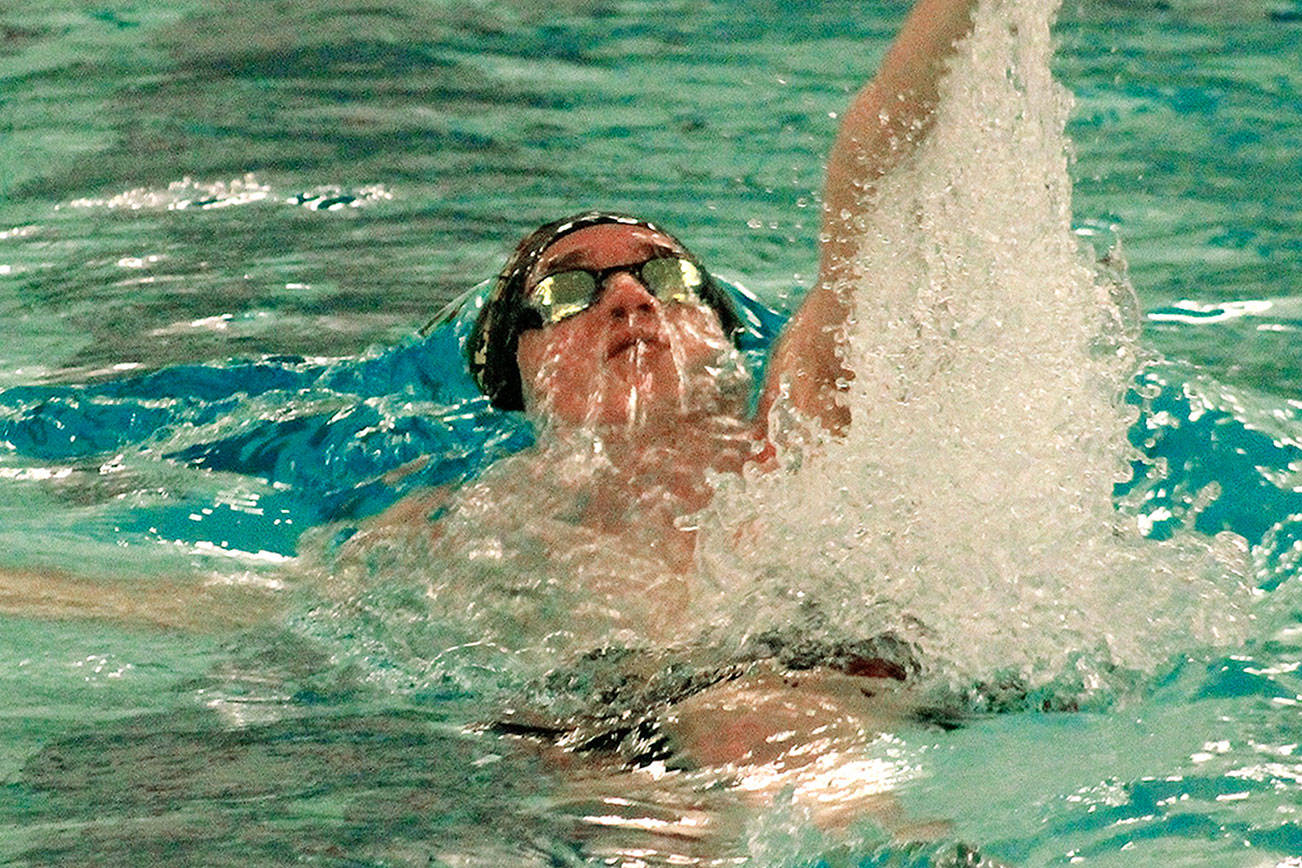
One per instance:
(633,342)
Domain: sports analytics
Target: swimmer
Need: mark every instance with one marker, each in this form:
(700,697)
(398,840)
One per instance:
(613,338)
(616,342)
(608,322)
(604,328)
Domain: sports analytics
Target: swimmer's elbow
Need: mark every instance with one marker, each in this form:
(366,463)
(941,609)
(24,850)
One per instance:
(822,400)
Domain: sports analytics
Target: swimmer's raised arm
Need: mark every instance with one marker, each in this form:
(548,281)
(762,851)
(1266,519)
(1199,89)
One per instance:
(886,120)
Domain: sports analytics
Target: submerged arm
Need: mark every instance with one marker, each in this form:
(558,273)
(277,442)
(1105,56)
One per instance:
(884,123)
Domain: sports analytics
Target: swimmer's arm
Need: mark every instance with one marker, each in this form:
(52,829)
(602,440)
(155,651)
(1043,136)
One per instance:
(417,509)
(416,514)
(886,120)
(180,603)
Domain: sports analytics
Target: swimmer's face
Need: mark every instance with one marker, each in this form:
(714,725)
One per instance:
(630,357)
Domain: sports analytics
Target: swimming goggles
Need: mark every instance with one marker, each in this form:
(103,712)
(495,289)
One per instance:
(562,295)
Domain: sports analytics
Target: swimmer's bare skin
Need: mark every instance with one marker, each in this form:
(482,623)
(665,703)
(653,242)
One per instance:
(819,738)
(776,730)
(885,122)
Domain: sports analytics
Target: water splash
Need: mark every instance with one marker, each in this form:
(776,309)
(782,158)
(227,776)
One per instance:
(968,515)
(969,509)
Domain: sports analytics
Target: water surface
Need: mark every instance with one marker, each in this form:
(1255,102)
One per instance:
(186,183)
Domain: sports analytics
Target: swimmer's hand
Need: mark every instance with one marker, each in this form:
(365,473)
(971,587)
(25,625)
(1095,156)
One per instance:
(170,602)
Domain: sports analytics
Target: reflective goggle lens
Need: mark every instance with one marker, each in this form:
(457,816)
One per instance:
(562,295)
(672,279)
(566,293)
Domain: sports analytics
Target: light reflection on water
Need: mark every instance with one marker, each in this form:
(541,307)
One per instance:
(448,147)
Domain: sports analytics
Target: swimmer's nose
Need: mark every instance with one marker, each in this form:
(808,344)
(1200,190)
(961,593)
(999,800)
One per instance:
(626,298)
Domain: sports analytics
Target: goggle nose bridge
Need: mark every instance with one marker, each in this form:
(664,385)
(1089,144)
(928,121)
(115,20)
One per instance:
(632,269)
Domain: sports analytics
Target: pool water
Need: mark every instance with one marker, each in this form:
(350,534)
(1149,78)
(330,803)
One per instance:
(221,225)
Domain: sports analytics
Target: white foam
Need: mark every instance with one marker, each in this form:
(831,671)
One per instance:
(970,508)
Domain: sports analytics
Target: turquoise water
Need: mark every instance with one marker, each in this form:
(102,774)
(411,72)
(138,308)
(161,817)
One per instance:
(299,187)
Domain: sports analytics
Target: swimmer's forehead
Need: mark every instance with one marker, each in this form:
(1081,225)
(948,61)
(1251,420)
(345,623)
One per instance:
(603,246)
